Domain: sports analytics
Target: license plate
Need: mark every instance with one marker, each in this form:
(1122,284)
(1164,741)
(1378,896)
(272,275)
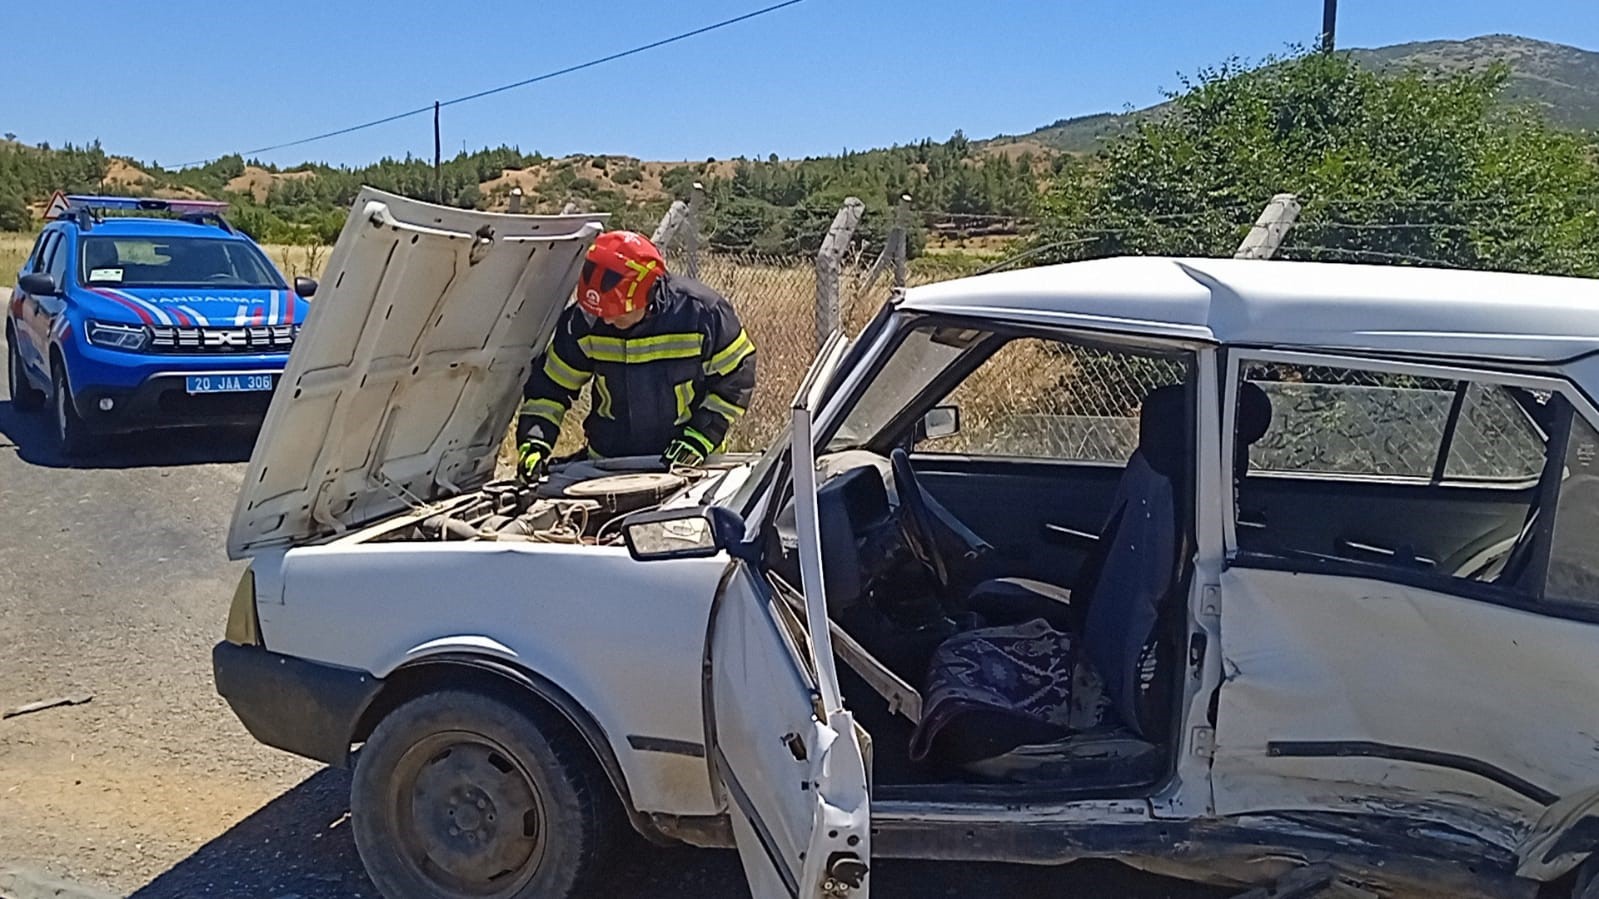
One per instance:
(227,383)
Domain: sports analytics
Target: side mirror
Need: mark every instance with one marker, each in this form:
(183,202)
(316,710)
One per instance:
(38,284)
(305,287)
(688,533)
(941,421)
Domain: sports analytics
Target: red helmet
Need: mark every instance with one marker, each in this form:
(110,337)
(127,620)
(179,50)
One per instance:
(618,274)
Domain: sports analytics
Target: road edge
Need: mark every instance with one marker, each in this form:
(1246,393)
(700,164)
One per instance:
(21,883)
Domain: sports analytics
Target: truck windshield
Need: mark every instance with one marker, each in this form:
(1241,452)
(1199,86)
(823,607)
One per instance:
(174,262)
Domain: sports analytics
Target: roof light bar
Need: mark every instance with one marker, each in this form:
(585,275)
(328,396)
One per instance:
(76,202)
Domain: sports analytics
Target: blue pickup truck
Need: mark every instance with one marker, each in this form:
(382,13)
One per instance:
(134,322)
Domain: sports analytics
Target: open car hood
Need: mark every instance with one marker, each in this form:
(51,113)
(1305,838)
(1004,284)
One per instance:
(410,367)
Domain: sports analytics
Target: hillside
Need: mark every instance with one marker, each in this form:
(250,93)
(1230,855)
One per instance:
(1560,81)
(770,205)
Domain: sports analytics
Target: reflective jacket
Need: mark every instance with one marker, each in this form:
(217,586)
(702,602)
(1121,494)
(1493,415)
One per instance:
(687,370)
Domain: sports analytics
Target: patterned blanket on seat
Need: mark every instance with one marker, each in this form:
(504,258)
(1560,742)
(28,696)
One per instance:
(1019,674)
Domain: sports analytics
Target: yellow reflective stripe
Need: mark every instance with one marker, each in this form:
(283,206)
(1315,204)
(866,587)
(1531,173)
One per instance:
(701,439)
(549,410)
(562,373)
(639,350)
(730,357)
(685,401)
(604,392)
(640,271)
(723,408)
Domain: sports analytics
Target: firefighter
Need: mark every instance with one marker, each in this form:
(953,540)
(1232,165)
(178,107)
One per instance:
(671,365)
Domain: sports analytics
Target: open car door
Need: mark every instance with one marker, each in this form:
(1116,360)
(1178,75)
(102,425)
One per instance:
(787,755)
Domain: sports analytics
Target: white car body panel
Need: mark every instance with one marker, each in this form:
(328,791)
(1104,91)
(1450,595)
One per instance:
(1378,308)
(624,640)
(1320,658)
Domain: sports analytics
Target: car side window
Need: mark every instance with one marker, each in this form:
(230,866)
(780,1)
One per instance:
(1044,399)
(50,240)
(1329,420)
(1419,479)
(36,255)
(57,265)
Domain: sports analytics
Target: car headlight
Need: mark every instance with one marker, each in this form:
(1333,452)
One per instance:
(118,337)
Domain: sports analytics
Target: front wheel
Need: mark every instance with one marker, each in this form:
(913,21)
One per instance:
(71,433)
(24,396)
(457,794)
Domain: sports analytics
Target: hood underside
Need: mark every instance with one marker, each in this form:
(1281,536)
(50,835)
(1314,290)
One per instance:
(409,368)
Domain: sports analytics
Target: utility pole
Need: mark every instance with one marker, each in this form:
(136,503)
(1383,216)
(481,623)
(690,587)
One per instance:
(1329,24)
(438,177)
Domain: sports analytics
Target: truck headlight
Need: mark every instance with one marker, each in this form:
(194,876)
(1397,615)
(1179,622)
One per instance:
(118,337)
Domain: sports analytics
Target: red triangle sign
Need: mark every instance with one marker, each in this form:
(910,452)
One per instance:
(57,207)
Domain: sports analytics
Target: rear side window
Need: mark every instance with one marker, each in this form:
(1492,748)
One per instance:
(1342,421)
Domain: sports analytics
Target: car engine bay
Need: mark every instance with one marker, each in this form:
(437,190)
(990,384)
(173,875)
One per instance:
(575,506)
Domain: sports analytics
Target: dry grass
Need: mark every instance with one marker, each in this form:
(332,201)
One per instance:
(13,252)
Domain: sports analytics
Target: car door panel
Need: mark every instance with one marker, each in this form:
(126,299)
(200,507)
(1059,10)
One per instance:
(788,774)
(1361,695)
(787,754)
(1364,519)
(1017,505)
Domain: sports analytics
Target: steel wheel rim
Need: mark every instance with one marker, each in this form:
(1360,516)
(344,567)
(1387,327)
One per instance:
(470,817)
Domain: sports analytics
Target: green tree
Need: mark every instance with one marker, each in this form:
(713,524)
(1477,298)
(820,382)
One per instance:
(1390,168)
(14,214)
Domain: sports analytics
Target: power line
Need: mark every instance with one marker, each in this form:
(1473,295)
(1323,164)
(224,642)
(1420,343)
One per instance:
(506,87)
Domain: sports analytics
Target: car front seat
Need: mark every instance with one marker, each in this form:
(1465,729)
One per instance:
(999,701)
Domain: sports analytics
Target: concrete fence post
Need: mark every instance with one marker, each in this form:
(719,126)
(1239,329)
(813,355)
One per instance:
(691,241)
(671,224)
(830,268)
(1275,221)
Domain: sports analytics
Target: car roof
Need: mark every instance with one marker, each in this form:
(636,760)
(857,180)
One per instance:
(133,226)
(1294,305)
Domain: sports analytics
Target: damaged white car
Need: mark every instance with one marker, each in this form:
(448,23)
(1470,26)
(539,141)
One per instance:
(1214,567)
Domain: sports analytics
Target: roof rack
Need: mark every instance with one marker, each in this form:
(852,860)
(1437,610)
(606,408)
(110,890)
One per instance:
(87,209)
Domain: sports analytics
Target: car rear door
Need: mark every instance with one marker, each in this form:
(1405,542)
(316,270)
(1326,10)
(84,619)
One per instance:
(1400,685)
(786,753)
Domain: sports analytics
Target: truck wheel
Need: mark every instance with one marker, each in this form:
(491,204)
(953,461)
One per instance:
(71,433)
(457,795)
(24,396)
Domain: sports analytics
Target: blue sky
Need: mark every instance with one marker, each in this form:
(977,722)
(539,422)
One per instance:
(185,80)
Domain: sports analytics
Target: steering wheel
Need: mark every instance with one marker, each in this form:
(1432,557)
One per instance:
(916,520)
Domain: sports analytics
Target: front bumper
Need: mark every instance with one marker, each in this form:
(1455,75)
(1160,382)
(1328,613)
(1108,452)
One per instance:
(148,390)
(306,708)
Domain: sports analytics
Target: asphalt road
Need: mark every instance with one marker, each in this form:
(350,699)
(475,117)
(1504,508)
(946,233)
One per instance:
(114,583)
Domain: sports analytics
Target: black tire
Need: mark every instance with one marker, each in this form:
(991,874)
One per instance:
(72,435)
(444,774)
(24,396)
